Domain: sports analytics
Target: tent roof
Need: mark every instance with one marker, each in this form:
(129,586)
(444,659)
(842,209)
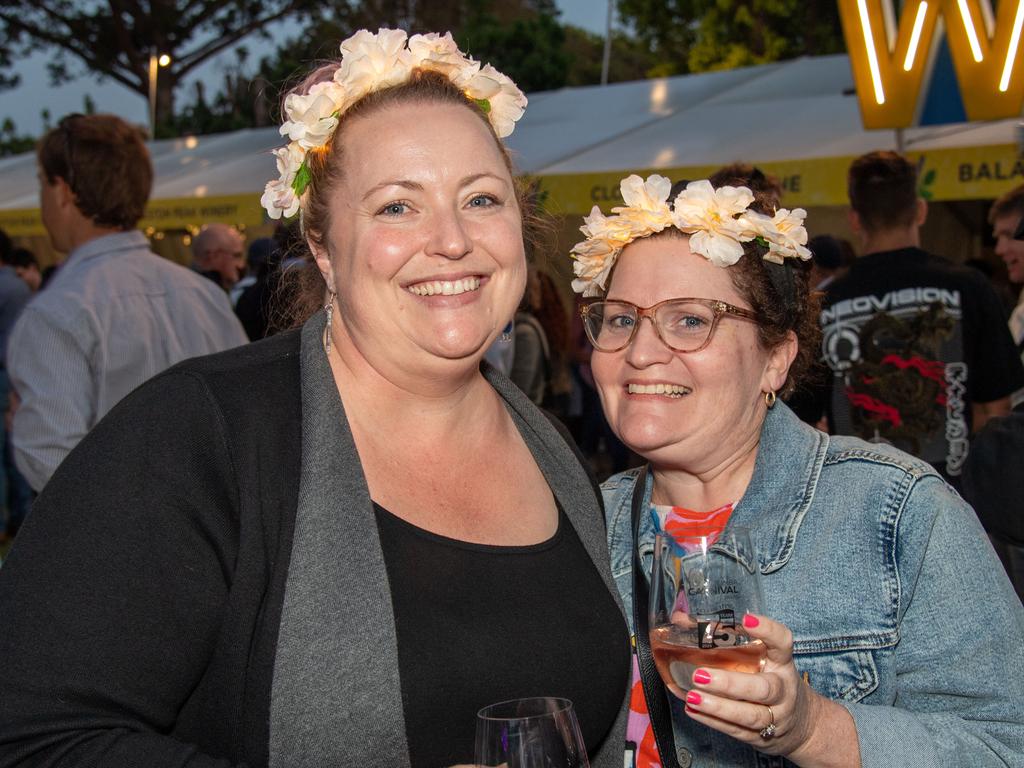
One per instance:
(800,109)
(794,110)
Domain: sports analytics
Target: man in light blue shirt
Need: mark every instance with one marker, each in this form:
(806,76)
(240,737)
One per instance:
(116,313)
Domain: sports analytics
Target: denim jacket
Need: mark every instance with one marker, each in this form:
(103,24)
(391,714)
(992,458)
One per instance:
(899,608)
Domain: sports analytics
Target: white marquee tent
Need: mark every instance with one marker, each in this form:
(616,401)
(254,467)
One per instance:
(796,119)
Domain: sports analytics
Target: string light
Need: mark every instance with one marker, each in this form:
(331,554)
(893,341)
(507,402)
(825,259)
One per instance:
(915,37)
(1011,53)
(869,42)
(972,35)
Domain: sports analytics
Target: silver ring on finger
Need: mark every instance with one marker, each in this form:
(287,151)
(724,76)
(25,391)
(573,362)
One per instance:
(769,730)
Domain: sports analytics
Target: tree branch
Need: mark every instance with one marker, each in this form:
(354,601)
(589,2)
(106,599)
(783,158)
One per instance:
(190,60)
(65,43)
(124,39)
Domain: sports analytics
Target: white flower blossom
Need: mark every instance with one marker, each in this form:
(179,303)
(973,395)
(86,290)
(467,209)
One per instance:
(311,117)
(289,160)
(650,195)
(790,236)
(718,221)
(279,199)
(709,216)
(371,62)
(506,102)
(435,53)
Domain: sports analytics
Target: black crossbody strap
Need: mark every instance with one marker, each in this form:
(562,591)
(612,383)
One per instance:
(654,688)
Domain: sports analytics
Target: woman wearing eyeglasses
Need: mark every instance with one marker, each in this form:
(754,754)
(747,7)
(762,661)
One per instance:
(892,634)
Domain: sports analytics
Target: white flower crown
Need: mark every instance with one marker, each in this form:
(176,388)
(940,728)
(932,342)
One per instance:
(718,222)
(371,62)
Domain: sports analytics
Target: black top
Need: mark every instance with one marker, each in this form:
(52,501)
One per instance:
(913,340)
(142,603)
(479,624)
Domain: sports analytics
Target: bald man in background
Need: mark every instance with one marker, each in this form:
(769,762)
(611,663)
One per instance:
(218,253)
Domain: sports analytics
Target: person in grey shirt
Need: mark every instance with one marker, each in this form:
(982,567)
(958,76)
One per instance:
(116,313)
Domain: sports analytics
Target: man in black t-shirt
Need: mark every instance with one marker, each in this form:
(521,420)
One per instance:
(918,346)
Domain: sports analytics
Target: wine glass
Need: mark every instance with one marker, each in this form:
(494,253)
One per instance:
(530,733)
(701,586)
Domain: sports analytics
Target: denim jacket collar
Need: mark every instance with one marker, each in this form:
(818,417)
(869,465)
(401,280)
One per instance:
(772,498)
(772,507)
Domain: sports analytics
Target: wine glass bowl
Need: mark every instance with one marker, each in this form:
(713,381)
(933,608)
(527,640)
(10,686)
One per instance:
(539,732)
(701,587)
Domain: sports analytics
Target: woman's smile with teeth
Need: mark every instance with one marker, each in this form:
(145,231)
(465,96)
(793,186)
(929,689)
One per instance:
(445,287)
(672,390)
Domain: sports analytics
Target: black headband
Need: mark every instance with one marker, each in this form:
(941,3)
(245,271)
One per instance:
(784,282)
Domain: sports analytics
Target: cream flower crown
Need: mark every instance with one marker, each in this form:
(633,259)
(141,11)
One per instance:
(718,222)
(371,62)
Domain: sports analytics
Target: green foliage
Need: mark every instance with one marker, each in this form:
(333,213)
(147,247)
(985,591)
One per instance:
(631,59)
(522,38)
(529,49)
(11,142)
(115,39)
(702,35)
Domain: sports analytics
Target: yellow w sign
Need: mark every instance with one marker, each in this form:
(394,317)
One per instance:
(891,61)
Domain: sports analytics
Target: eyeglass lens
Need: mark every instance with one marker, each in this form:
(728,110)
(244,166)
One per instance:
(683,325)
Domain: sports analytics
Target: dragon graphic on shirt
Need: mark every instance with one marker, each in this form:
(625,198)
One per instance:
(897,387)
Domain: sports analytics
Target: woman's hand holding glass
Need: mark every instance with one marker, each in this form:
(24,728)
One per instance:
(732,666)
(737,703)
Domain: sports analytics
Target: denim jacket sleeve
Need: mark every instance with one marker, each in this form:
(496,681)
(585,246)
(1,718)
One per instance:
(959,663)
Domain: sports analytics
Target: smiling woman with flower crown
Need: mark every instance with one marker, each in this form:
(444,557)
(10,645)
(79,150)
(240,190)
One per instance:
(333,547)
(892,633)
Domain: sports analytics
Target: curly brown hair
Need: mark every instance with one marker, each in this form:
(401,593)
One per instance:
(792,308)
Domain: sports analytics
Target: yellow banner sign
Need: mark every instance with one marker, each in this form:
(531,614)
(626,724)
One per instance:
(180,213)
(187,212)
(972,173)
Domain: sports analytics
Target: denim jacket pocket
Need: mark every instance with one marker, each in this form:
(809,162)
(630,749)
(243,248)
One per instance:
(848,674)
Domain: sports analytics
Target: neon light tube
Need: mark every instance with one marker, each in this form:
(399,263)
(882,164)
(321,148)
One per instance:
(869,44)
(972,35)
(1011,53)
(915,37)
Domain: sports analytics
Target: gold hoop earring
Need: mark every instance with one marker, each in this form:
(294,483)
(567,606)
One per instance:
(769,399)
(328,310)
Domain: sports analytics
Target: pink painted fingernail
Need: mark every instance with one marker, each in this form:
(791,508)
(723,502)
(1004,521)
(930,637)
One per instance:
(701,677)
(693,698)
(750,621)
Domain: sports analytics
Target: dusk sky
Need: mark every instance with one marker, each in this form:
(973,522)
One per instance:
(24,104)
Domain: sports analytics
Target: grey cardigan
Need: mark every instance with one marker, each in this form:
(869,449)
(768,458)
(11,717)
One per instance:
(334,615)
(255,642)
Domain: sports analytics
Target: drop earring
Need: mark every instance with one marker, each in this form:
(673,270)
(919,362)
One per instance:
(328,310)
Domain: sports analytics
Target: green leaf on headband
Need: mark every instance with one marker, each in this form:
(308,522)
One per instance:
(302,179)
(484,104)
(762,242)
